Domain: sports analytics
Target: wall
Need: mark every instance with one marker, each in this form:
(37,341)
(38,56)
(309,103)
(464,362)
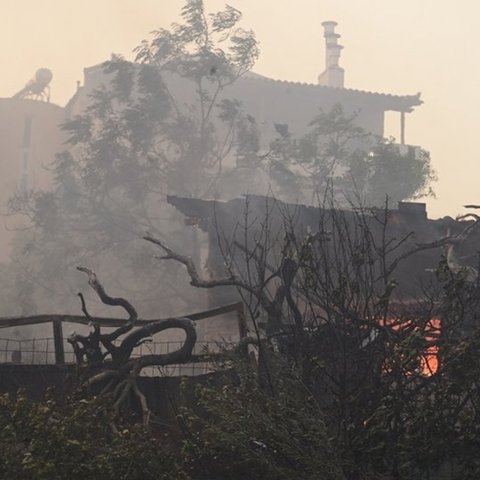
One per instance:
(29,139)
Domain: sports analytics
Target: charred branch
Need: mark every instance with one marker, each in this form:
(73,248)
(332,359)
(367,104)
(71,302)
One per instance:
(195,279)
(117,376)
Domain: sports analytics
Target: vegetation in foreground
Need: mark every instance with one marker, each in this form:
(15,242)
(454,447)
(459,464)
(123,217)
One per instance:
(325,392)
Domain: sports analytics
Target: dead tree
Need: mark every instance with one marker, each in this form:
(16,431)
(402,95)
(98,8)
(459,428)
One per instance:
(107,358)
(272,291)
(342,298)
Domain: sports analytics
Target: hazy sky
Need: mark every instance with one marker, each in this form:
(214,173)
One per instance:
(391,46)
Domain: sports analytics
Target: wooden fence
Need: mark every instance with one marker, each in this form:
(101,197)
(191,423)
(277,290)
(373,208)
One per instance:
(57,322)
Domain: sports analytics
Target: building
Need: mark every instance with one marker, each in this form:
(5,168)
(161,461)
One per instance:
(272,101)
(29,139)
(414,246)
(30,135)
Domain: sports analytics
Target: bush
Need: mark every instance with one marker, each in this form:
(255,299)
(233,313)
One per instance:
(77,440)
(258,428)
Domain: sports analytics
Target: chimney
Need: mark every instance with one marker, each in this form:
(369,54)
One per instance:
(333,76)
(413,210)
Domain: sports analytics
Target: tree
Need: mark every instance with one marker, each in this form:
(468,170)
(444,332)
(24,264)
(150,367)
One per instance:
(360,167)
(111,368)
(166,125)
(95,435)
(346,376)
(388,366)
(162,125)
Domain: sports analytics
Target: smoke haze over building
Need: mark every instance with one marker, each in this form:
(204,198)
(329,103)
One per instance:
(395,47)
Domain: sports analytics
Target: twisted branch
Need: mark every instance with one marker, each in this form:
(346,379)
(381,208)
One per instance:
(119,375)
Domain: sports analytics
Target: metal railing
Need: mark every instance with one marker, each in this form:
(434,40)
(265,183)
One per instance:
(41,351)
(56,350)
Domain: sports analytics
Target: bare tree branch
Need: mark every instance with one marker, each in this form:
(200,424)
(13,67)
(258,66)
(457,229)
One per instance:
(107,299)
(195,279)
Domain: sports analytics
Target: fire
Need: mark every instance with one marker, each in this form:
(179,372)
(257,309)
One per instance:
(428,358)
(429,361)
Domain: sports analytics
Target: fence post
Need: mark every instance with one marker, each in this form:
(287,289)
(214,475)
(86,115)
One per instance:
(242,324)
(242,329)
(58,342)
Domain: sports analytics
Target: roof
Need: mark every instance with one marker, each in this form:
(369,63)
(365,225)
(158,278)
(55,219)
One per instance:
(397,103)
(420,241)
(408,216)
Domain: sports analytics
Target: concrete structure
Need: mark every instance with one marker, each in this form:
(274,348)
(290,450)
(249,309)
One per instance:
(29,139)
(272,101)
(333,76)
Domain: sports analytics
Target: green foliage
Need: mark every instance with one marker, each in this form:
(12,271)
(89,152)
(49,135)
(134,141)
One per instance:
(247,429)
(401,176)
(77,439)
(323,403)
(412,424)
(161,126)
(204,47)
(336,152)
(238,428)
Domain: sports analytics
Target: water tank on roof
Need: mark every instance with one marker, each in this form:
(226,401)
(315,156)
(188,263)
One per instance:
(38,87)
